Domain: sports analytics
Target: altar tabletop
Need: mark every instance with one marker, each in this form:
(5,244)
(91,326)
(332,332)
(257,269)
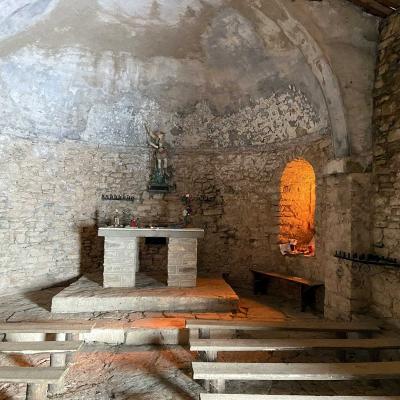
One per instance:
(184,233)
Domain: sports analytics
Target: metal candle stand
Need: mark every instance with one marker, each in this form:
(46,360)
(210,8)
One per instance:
(367,258)
(123,197)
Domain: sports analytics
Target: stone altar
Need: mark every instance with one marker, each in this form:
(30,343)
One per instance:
(121,255)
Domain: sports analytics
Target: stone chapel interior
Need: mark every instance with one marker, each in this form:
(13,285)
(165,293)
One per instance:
(200,199)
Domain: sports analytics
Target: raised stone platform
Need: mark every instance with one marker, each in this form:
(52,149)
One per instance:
(88,295)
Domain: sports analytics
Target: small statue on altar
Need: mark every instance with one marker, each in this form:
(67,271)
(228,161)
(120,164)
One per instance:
(159,178)
(187,211)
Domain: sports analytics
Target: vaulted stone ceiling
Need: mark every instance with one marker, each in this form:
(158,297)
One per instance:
(381,8)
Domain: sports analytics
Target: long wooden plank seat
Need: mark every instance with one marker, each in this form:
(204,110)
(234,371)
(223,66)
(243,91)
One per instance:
(40,347)
(37,379)
(212,346)
(220,372)
(37,375)
(224,396)
(66,332)
(308,287)
(47,326)
(205,326)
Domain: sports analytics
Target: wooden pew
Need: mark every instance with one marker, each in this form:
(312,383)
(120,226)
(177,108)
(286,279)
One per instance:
(221,372)
(48,326)
(221,396)
(308,287)
(40,347)
(37,378)
(211,347)
(66,332)
(204,327)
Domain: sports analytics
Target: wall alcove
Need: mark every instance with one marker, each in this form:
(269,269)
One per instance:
(297,204)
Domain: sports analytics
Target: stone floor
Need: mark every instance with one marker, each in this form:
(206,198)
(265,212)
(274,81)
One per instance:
(103,372)
(37,305)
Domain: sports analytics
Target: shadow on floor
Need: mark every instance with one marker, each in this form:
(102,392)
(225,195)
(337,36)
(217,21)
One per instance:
(42,298)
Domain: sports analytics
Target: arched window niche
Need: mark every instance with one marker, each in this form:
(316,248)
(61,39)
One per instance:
(297,208)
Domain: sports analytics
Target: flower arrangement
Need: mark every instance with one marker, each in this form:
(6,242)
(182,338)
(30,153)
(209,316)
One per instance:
(187,211)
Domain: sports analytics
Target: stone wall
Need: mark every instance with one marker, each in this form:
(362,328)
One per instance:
(386,282)
(51,205)
(237,195)
(250,87)
(387,141)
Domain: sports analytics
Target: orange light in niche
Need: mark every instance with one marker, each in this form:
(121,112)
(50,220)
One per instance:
(297,203)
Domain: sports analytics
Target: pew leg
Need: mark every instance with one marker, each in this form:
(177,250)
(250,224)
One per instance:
(36,392)
(341,335)
(69,356)
(204,333)
(215,385)
(58,360)
(365,335)
(208,356)
(341,354)
(221,386)
(308,297)
(257,284)
(211,356)
(375,355)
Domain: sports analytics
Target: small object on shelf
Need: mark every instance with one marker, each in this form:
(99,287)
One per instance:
(187,211)
(133,223)
(292,244)
(116,219)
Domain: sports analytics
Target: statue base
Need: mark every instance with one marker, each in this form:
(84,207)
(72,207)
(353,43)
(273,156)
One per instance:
(158,188)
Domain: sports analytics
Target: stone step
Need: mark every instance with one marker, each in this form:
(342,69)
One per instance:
(210,295)
(222,396)
(40,347)
(216,345)
(296,372)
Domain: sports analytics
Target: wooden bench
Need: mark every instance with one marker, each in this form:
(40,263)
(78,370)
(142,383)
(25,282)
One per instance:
(211,347)
(37,378)
(221,372)
(222,396)
(66,333)
(308,287)
(40,347)
(48,326)
(204,327)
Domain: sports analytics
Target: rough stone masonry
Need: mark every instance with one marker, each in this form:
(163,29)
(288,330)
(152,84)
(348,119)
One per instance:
(121,261)
(182,262)
(250,87)
(384,283)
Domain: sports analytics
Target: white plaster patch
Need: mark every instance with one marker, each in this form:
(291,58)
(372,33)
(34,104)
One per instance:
(231,38)
(18,15)
(168,12)
(72,94)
